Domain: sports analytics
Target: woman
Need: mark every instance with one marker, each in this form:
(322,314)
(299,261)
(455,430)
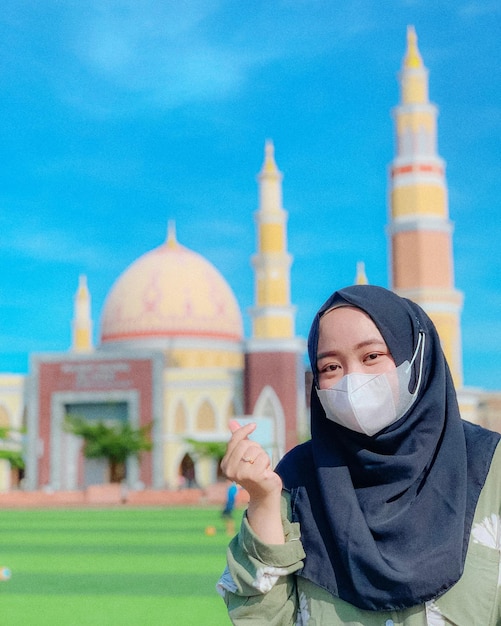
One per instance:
(390,513)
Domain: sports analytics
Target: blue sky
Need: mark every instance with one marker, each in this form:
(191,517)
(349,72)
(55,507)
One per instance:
(117,116)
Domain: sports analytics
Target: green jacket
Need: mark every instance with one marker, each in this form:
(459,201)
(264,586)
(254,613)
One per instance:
(260,588)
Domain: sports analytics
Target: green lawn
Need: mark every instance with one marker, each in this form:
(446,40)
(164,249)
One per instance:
(80,567)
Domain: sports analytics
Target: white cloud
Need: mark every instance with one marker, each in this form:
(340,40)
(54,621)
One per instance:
(119,57)
(165,54)
(160,53)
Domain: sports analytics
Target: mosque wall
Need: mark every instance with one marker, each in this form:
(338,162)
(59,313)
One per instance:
(199,403)
(281,372)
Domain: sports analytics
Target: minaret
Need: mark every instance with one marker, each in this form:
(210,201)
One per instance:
(361,276)
(274,374)
(82,322)
(420,230)
(273,315)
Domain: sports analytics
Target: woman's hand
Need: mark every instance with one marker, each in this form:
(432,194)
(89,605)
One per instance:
(246,463)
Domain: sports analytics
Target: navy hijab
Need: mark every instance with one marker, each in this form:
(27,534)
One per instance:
(385,520)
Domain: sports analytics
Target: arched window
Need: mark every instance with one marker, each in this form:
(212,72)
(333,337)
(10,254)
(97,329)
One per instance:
(268,405)
(206,417)
(180,421)
(231,411)
(4,418)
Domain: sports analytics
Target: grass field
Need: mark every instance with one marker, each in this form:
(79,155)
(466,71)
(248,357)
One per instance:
(101,567)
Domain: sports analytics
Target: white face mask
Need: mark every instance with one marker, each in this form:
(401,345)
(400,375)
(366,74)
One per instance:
(367,403)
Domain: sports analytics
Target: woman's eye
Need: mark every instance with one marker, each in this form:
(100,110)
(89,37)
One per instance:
(332,367)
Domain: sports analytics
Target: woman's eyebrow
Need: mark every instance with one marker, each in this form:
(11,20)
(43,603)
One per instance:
(375,341)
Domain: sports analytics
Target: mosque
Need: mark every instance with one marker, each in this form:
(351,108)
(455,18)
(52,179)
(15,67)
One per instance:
(172,352)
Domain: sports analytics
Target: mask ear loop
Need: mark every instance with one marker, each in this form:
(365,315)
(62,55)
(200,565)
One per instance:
(421,343)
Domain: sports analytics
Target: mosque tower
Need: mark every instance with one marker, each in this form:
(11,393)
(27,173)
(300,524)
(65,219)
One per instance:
(361,276)
(274,373)
(82,321)
(420,230)
(273,315)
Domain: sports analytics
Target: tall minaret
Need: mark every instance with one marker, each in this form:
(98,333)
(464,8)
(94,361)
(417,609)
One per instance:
(82,321)
(274,374)
(273,315)
(420,230)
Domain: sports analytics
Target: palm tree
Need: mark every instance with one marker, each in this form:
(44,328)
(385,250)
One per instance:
(115,443)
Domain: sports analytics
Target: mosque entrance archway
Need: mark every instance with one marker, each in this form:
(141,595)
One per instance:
(100,470)
(70,468)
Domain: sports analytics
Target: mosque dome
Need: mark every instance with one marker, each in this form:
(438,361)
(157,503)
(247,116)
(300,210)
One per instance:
(172,296)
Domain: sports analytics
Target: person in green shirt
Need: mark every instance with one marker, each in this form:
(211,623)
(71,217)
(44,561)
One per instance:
(390,513)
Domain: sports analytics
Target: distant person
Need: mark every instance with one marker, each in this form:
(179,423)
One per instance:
(229,507)
(390,514)
(188,472)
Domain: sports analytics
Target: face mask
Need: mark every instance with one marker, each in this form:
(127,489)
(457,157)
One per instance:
(368,403)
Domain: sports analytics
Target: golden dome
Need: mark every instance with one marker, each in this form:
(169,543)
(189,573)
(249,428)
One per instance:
(168,293)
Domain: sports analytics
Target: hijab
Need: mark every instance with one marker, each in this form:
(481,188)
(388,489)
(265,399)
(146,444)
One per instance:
(385,519)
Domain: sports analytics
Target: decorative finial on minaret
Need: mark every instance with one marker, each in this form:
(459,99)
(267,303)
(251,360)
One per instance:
(270,181)
(361,276)
(414,75)
(171,234)
(412,58)
(82,322)
(269,165)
